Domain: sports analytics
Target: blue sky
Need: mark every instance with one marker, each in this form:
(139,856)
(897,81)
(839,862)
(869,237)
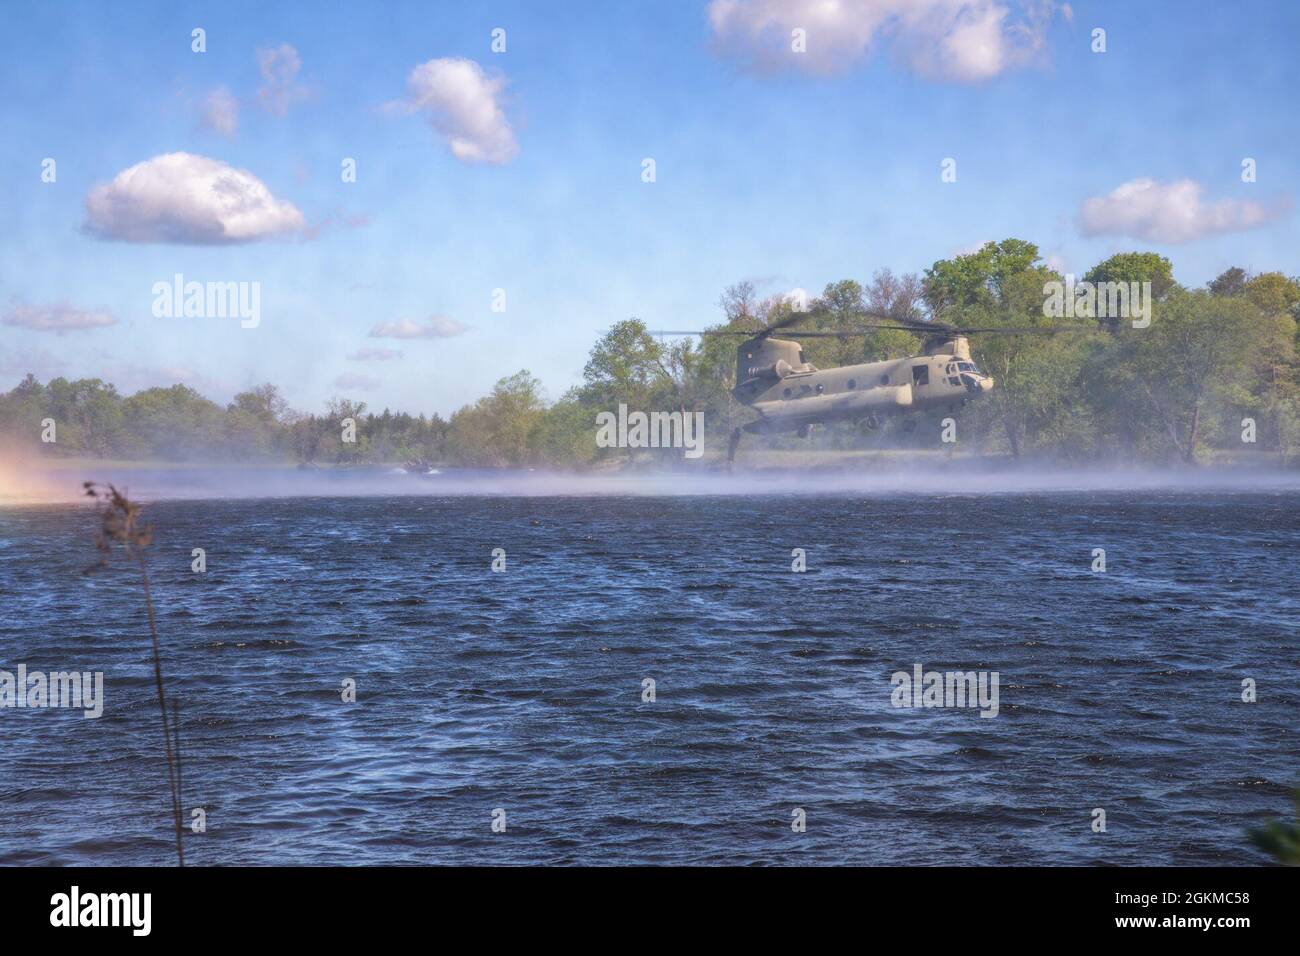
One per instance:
(791,172)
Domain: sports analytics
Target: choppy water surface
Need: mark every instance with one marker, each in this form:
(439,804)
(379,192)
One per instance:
(522,690)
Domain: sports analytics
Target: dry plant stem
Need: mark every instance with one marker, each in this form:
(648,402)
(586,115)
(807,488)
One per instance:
(176,745)
(173,769)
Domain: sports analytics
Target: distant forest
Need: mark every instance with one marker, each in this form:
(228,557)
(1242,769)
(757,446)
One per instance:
(1178,390)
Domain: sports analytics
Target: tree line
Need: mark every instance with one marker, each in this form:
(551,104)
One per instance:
(1213,375)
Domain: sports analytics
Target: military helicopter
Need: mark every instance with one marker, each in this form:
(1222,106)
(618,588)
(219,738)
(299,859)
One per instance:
(789,393)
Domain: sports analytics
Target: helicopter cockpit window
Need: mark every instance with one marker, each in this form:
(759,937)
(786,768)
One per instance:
(920,375)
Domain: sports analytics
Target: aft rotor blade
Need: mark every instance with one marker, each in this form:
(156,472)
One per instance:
(1031,330)
(941,332)
(802,333)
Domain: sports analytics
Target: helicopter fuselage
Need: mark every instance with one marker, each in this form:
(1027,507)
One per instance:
(787,392)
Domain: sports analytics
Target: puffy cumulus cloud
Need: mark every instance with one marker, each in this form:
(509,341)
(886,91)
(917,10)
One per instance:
(461,102)
(965,41)
(56,318)
(1172,212)
(183,198)
(219,112)
(438,327)
(375,355)
(280,88)
(365,383)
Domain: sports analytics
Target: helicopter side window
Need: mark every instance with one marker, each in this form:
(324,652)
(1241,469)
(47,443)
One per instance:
(787,393)
(820,389)
(953,380)
(920,375)
(851,384)
(884,379)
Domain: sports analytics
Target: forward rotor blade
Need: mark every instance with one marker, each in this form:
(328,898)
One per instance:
(923,328)
(700,332)
(786,322)
(847,333)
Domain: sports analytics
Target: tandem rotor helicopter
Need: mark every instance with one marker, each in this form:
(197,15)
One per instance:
(791,394)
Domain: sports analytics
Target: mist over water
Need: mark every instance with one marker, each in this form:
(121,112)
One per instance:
(962,476)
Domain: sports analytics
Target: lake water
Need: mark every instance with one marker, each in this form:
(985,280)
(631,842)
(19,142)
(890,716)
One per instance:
(523,690)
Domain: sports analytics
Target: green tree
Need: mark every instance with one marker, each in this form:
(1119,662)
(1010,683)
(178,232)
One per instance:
(1197,348)
(87,413)
(1275,391)
(1001,285)
(567,432)
(21,411)
(1136,267)
(504,427)
(624,363)
(1230,282)
(174,423)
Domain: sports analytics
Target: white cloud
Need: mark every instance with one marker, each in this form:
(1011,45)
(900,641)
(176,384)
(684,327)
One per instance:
(1173,212)
(460,101)
(438,327)
(183,198)
(280,88)
(375,355)
(57,318)
(960,40)
(352,380)
(220,112)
